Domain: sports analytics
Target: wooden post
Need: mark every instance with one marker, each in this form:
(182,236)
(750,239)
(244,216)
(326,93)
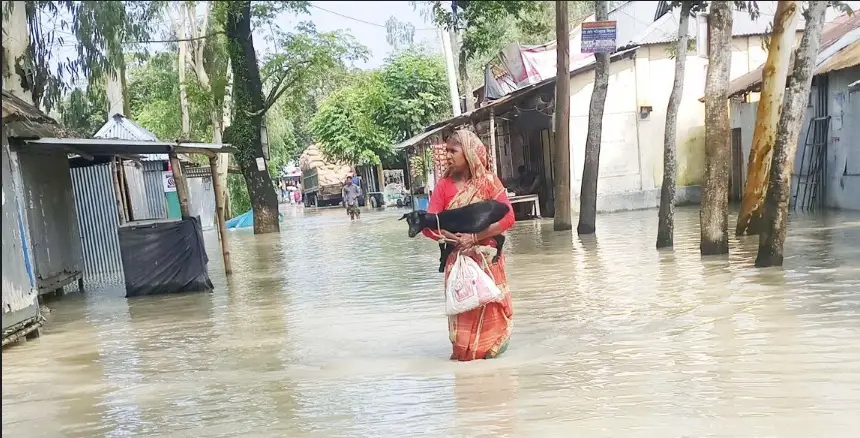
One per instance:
(493,140)
(562,220)
(380,179)
(117,193)
(179,180)
(220,213)
(123,189)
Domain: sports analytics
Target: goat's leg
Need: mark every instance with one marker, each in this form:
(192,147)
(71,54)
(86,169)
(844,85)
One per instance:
(444,252)
(500,242)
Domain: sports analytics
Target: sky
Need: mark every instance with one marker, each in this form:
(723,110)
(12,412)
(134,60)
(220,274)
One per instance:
(366,22)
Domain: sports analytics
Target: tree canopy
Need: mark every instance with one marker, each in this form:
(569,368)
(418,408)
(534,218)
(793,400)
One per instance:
(360,123)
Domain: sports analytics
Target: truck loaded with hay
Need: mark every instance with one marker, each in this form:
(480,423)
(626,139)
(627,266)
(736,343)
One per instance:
(322,180)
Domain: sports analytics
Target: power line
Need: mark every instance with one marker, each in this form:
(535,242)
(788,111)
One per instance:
(360,20)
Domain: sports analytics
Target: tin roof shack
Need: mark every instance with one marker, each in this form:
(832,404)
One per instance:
(161,255)
(21,315)
(44,192)
(827,164)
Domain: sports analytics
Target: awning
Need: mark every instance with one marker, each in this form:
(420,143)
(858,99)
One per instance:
(111,147)
(418,138)
(506,102)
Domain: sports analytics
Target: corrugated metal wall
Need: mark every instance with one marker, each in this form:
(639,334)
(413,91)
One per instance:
(154,189)
(98,221)
(201,201)
(138,198)
(51,216)
(18,291)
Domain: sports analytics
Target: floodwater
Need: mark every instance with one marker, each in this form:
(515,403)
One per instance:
(336,329)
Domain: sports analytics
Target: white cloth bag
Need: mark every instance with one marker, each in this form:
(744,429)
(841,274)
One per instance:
(468,287)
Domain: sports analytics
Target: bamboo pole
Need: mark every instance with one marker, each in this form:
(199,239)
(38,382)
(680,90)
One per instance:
(220,214)
(123,186)
(179,180)
(493,140)
(117,193)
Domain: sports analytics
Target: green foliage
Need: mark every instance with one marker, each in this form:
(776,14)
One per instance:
(304,63)
(83,112)
(240,201)
(360,123)
(283,147)
(488,27)
(346,124)
(398,34)
(414,95)
(100,28)
(478,21)
(153,89)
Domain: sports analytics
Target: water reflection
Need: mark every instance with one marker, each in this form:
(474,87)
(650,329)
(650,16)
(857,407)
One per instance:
(336,328)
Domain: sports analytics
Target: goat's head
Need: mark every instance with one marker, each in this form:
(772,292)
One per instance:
(415,220)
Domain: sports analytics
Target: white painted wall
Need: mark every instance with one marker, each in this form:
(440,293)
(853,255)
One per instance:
(631,158)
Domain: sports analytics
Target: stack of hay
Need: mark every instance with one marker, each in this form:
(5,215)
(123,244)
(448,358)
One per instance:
(327,173)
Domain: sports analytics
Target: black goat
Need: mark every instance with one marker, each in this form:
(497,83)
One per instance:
(472,218)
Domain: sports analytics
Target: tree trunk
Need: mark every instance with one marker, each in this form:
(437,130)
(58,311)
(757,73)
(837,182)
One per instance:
(562,219)
(464,78)
(182,61)
(226,115)
(588,191)
(715,193)
(666,216)
(773,86)
(248,111)
(775,217)
(17,79)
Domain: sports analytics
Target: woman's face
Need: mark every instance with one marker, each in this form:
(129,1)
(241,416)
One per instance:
(456,156)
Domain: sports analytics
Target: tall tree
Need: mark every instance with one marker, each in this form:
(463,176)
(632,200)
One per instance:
(715,193)
(179,23)
(19,73)
(588,192)
(96,25)
(211,75)
(562,219)
(773,86)
(249,108)
(775,218)
(666,215)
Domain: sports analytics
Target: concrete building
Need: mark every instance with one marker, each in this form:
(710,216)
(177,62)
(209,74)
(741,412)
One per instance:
(827,165)
(642,73)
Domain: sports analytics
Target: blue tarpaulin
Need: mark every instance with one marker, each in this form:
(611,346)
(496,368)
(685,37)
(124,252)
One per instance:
(245,220)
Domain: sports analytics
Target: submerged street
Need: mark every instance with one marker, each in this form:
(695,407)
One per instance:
(335,328)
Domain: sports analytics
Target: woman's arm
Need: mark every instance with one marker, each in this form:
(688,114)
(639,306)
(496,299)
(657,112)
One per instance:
(438,200)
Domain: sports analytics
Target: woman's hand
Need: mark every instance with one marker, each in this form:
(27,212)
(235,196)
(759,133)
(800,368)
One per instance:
(466,240)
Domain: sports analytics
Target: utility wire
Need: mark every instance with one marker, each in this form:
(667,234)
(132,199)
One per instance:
(360,20)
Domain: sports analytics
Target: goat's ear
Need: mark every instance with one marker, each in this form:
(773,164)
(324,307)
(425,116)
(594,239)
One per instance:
(403,217)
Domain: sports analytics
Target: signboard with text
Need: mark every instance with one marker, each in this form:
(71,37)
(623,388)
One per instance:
(598,37)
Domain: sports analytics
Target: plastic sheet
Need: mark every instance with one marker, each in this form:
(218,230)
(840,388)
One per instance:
(164,257)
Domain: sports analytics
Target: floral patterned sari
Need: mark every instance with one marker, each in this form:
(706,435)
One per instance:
(484,332)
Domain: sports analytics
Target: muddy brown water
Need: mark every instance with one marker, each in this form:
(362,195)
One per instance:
(336,329)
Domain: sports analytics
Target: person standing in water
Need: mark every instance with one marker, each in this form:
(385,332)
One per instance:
(351,193)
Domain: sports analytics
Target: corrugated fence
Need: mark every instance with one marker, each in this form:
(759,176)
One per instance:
(98,222)
(154,190)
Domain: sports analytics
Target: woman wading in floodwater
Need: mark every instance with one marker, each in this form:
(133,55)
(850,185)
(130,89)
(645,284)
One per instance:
(482,333)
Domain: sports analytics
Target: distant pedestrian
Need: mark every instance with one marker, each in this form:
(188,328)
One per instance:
(351,194)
